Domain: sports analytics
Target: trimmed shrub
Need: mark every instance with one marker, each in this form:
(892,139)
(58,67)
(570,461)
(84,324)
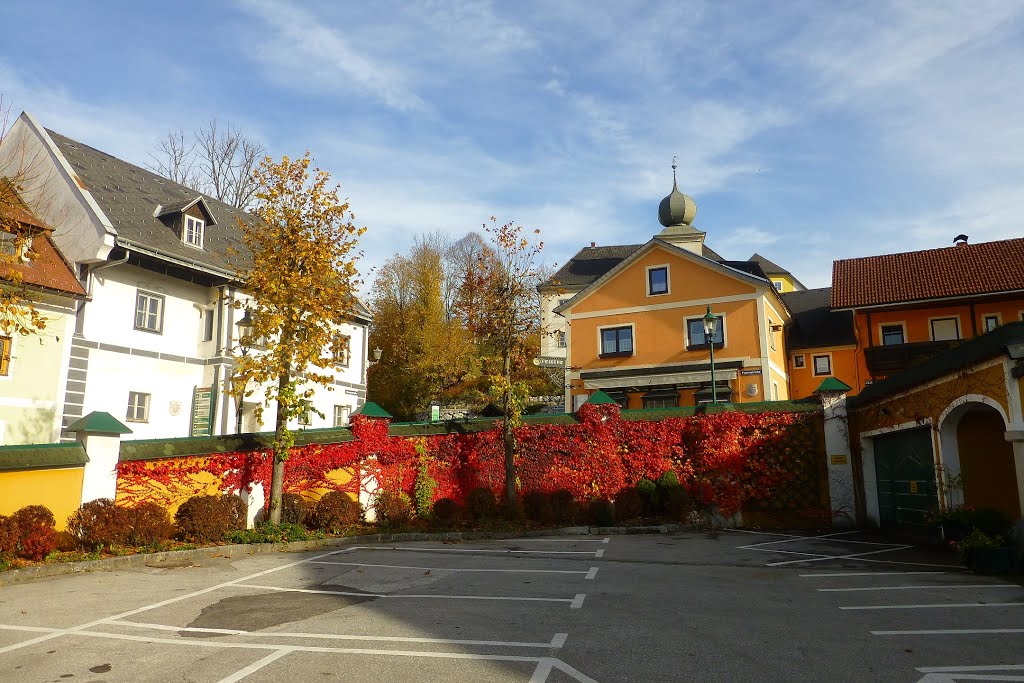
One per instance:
(601,512)
(99,524)
(270,533)
(294,509)
(676,503)
(538,507)
(990,521)
(148,524)
(669,478)
(648,491)
(335,512)
(513,510)
(8,537)
(394,509)
(564,509)
(205,519)
(628,504)
(447,511)
(37,536)
(481,504)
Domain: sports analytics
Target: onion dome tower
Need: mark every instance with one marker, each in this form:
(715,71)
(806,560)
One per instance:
(676,213)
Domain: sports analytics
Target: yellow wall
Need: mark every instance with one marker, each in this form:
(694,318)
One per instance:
(59,489)
(788,284)
(200,483)
(803,381)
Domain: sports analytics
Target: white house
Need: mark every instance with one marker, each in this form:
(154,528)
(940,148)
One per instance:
(153,339)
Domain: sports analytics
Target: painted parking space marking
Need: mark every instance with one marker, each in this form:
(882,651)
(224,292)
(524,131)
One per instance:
(917,587)
(591,574)
(823,575)
(935,605)
(947,632)
(421,596)
(462,569)
(567,539)
(850,556)
(502,551)
(557,641)
(255,666)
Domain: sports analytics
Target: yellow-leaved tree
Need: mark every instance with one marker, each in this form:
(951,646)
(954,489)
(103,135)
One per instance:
(302,282)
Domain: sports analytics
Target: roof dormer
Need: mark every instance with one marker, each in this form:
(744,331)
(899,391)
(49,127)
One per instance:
(189,219)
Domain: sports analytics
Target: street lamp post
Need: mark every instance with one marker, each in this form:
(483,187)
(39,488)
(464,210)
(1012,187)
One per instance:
(244,339)
(710,323)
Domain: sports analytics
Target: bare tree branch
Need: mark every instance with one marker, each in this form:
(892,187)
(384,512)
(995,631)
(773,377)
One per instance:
(174,159)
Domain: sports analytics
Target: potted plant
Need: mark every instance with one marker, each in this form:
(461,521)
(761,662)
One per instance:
(987,554)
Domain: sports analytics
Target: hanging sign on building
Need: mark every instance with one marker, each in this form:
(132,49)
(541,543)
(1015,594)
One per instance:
(750,371)
(202,411)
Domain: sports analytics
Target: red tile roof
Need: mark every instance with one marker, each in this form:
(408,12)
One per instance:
(984,268)
(48,269)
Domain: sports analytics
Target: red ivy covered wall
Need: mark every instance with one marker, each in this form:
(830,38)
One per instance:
(725,459)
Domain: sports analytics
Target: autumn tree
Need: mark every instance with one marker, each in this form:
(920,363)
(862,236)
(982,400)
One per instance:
(302,281)
(426,352)
(499,304)
(218,159)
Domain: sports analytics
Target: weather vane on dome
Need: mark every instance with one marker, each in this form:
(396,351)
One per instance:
(674,157)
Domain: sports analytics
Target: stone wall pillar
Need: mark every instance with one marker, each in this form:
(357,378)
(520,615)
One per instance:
(841,492)
(100,436)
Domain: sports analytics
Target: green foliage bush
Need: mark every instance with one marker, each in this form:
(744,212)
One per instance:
(423,489)
(447,512)
(601,512)
(481,504)
(394,509)
(669,478)
(564,508)
(648,491)
(538,507)
(37,535)
(99,524)
(286,532)
(206,519)
(336,512)
(629,504)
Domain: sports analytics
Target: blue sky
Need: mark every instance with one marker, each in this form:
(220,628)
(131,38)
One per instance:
(805,131)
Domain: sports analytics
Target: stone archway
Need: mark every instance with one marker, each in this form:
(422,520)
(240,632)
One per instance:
(974,449)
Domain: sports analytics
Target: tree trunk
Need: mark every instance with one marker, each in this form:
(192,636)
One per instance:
(280,454)
(507,437)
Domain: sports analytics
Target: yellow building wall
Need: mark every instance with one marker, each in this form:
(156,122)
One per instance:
(33,379)
(59,489)
(803,381)
(788,284)
(198,484)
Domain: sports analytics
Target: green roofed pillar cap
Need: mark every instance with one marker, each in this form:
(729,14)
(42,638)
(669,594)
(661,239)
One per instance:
(600,398)
(98,422)
(371,409)
(833,384)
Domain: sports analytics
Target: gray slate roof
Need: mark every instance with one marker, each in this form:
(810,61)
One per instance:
(590,263)
(129,196)
(772,268)
(814,324)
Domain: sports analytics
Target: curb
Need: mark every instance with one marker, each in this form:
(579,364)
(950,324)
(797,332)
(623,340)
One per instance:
(241,550)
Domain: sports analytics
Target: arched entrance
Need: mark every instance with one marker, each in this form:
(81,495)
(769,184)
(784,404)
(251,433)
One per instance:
(975,452)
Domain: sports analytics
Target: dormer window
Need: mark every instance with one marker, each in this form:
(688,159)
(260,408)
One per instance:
(15,248)
(192,232)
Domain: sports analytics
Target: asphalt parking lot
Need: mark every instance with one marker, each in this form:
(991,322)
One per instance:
(722,606)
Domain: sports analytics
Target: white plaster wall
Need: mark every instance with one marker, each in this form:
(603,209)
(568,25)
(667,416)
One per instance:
(552,323)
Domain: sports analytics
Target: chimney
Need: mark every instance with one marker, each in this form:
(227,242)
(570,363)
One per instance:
(593,244)
(960,240)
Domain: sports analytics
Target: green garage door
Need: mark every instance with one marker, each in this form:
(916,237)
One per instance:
(905,474)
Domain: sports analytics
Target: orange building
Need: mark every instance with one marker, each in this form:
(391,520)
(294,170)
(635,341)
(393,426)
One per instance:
(820,342)
(637,330)
(912,306)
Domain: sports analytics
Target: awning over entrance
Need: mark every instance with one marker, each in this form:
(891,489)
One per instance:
(643,381)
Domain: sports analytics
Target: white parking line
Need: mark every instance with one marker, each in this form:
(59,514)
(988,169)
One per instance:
(406,596)
(591,574)
(503,551)
(255,666)
(851,556)
(818,575)
(599,553)
(557,641)
(948,631)
(920,587)
(455,569)
(938,605)
(577,602)
(567,539)
(814,538)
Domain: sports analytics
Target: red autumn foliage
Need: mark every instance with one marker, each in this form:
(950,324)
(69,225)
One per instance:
(37,536)
(722,459)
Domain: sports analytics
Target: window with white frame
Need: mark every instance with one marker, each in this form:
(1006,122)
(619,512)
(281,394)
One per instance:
(341,414)
(695,337)
(5,356)
(192,232)
(893,334)
(208,320)
(561,339)
(990,322)
(945,329)
(617,341)
(778,285)
(657,280)
(306,416)
(771,333)
(149,312)
(799,361)
(822,364)
(138,407)
(16,247)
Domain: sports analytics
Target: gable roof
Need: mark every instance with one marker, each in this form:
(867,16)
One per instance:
(814,324)
(772,268)
(129,196)
(739,269)
(968,269)
(590,263)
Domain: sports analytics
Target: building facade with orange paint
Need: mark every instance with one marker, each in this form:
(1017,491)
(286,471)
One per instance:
(636,329)
(913,306)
